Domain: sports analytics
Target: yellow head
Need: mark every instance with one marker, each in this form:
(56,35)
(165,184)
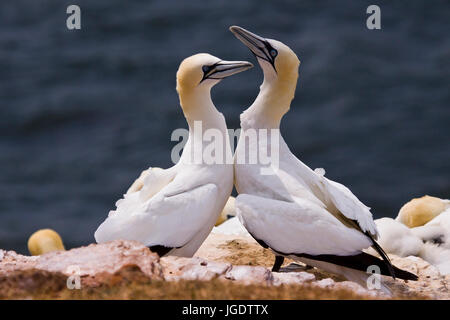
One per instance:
(419,211)
(197,74)
(279,63)
(43,241)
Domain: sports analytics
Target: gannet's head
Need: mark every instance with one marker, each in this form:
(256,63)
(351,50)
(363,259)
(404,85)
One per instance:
(43,241)
(202,71)
(278,61)
(419,211)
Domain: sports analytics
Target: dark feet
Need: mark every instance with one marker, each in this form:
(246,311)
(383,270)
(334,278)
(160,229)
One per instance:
(160,250)
(277,264)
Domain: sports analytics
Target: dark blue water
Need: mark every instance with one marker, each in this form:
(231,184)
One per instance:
(83,112)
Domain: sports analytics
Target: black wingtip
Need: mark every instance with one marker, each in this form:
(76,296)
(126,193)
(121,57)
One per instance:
(383,255)
(405,275)
(393,270)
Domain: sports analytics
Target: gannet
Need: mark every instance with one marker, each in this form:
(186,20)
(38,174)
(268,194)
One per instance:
(429,219)
(172,211)
(228,211)
(43,241)
(436,231)
(291,209)
(419,211)
(396,238)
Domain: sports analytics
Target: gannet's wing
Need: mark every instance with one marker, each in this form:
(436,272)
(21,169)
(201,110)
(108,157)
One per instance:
(152,181)
(348,205)
(435,231)
(302,229)
(171,218)
(299,227)
(139,182)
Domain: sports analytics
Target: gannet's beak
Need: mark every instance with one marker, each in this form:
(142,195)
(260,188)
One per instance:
(223,69)
(258,45)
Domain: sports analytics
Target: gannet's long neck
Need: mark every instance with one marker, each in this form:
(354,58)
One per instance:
(273,101)
(202,115)
(198,106)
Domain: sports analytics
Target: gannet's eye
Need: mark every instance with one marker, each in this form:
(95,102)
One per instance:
(206,68)
(273,53)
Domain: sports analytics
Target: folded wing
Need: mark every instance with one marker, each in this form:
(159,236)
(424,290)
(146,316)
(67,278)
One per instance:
(171,218)
(295,227)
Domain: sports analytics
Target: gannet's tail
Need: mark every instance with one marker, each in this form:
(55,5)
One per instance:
(360,277)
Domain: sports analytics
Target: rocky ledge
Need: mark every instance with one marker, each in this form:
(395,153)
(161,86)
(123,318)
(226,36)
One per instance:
(225,267)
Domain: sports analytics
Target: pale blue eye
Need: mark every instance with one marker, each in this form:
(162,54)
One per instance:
(273,53)
(205,69)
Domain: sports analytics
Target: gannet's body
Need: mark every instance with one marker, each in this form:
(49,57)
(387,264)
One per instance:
(172,211)
(420,211)
(291,209)
(436,230)
(396,238)
(422,229)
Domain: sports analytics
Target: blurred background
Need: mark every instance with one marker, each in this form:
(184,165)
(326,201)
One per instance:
(82,113)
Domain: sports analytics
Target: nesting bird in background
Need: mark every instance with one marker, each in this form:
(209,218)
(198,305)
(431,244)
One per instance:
(173,210)
(422,229)
(291,209)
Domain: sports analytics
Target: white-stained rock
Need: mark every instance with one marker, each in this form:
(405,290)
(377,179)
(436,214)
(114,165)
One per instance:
(358,289)
(325,283)
(249,275)
(280,278)
(178,268)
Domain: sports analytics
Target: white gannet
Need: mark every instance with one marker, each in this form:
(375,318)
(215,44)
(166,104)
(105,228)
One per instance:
(419,211)
(437,230)
(172,211)
(422,229)
(396,238)
(291,209)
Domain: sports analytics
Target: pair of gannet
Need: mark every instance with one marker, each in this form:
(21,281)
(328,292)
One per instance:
(172,211)
(291,209)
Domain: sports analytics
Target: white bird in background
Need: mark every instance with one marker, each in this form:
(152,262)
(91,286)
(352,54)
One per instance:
(420,211)
(422,229)
(396,238)
(429,220)
(172,211)
(291,209)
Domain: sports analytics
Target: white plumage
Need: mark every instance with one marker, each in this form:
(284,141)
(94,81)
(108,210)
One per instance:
(176,208)
(295,211)
(430,242)
(397,238)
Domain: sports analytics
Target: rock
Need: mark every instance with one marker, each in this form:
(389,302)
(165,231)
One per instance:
(358,289)
(177,268)
(88,261)
(249,275)
(431,283)
(325,283)
(229,262)
(236,250)
(302,277)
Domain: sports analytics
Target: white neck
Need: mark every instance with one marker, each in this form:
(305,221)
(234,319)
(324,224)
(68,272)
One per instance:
(271,104)
(201,115)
